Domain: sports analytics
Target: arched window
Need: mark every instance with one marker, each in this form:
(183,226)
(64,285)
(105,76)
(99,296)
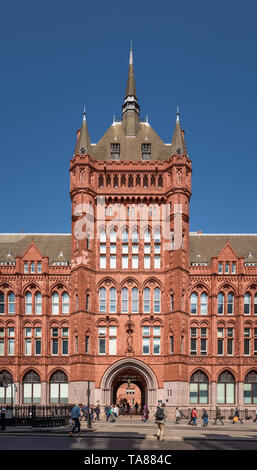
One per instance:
(55,303)
(220,303)
(255,304)
(226,388)
(38,303)
(199,388)
(147,297)
(160,182)
(101,181)
(157,300)
(59,388)
(31,388)
(204,303)
(171,302)
(147,249)
(135,300)
(6,390)
(124,300)
(28,303)
(65,302)
(193,303)
(11,303)
(2,302)
(250,388)
(102,299)
(112,300)
(247,304)
(230,303)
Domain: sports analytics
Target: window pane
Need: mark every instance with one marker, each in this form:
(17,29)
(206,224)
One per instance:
(203,393)
(146,345)
(193,393)
(247,393)
(230,393)
(220,393)
(112,345)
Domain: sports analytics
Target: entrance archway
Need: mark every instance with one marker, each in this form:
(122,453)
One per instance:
(132,387)
(134,371)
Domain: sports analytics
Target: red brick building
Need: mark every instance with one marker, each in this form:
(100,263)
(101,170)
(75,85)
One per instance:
(130,294)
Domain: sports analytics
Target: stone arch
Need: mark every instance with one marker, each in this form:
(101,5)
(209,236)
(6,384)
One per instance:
(137,366)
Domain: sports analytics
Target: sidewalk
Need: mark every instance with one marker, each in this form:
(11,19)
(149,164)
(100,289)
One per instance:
(126,428)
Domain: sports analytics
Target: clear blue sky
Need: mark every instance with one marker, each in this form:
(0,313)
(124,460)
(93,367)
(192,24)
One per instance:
(58,55)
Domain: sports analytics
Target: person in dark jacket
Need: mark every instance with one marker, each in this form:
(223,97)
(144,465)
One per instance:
(218,416)
(205,418)
(160,417)
(236,415)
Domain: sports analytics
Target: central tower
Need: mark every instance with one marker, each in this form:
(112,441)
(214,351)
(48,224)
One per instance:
(130,196)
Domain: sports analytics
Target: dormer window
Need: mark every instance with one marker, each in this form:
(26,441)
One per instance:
(115,151)
(26,267)
(32,267)
(146,151)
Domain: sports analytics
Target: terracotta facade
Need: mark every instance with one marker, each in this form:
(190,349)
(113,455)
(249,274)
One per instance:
(118,299)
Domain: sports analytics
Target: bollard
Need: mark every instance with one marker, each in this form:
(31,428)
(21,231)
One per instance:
(3,420)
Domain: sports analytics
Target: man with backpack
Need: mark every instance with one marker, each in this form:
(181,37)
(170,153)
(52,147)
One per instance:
(160,417)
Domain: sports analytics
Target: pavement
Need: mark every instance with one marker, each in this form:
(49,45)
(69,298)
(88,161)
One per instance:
(133,428)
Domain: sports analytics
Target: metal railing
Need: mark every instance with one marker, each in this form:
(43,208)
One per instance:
(36,415)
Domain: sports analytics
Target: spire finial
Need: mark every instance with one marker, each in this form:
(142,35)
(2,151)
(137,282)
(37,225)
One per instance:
(131,54)
(84,113)
(177,120)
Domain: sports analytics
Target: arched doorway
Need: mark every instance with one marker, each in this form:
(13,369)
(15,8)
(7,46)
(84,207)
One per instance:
(129,387)
(130,371)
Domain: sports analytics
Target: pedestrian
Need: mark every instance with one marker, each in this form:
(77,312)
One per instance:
(236,417)
(107,412)
(218,416)
(136,407)
(116,412)
(205,418)
(145,414)
(193,418)
(255,416)
(83,409)
(75,416)
(177,416)
(160,417)
(97,412)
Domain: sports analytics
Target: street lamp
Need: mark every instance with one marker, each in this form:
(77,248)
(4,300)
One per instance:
(88,406)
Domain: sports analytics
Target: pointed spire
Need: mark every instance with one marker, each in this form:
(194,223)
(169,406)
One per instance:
(178,145)
(131,84)
(83,142)
(130,107)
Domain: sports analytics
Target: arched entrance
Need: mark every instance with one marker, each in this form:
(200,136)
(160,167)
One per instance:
(129,371)
(129,387)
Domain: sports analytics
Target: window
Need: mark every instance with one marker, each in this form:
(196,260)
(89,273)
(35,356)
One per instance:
(156,340)
(115,151)
(2,302)
(59,388)
(233,271)
(102,249)
(220,341)
(2,342)
(124,300)
(135,300)
(204,301)
(87,302)
(28,335)
(26,267)
(87,344)
(171,344)
(102,340)
(10,341)
(220,304)
(6,392)
(38,345)
(31,389)
(55,303)
(54,341)
(11,303)
(146,339)
(203,342)
(198,388)
(65,303)
(38,303)
(247,304)
(255,304)
(112,300)
(147,249)
(193,303)
(28,303)
(39,267)
(225,388)
(230,303)
(112,339)
(32,268)
(102,299)
(226,268)
(171,302)
(247,341)
(193,341)
(157,249)
(157,300)
(230,341)
(250,388)
(146,151)
(220,268)
(113,236)
(65,341)
(146,296)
